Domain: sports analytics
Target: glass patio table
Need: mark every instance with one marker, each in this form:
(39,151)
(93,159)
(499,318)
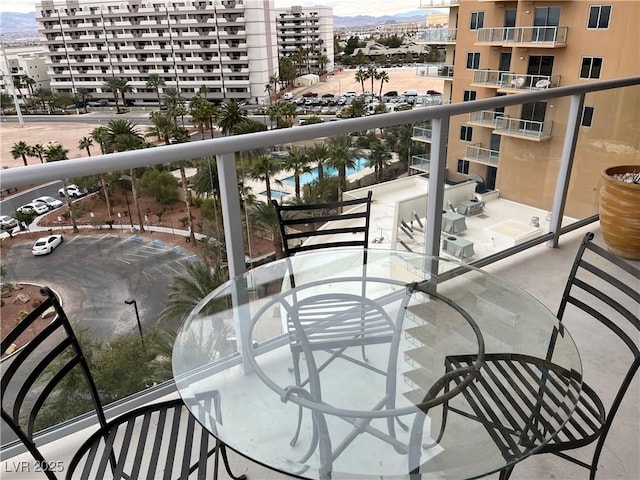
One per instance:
(373,364)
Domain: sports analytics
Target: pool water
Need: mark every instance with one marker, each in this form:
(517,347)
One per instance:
(309,177)
(277,194)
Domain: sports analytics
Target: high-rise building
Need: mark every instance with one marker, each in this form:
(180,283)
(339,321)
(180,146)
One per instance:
(26,67)
(498,48)
(306,32)
(227,46)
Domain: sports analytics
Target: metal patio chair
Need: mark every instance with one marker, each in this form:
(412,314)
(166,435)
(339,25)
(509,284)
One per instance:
(162,440)
(334,322)
(596,287)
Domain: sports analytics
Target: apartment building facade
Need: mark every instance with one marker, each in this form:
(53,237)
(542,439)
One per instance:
(308,30)
(227,46)
(498,48)
(17,63)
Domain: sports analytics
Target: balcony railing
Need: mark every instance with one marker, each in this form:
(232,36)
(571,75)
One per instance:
(437,35)
(519,82)
(527,129)
(422,134)
(225,149)
(543,36)
(439,3)
(485,118)
(479,154)
(435,70)
(489,78)
(421,162)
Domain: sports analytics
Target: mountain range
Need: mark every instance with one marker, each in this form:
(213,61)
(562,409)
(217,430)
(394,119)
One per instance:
(11,22)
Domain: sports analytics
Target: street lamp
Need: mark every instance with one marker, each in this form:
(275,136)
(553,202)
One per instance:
(132,301)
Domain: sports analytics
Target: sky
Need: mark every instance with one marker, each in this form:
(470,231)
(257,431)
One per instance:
(340,7)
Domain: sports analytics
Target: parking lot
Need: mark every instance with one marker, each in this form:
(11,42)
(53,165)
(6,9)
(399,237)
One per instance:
(95,274)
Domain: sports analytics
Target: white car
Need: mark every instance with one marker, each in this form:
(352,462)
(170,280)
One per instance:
(7,222)
(50,202)
(46,245)
(74,191)
(37,208)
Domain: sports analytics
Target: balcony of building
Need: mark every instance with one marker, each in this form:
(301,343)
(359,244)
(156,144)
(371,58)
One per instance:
(436,36)
(479,154)
(488,78)
(438,70)
(484,118)
(439,3)
(540,37)
(422,134)
(523,129)
(516,82)
(521,258)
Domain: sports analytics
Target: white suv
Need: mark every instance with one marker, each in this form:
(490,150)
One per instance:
(50,202)
(74,191)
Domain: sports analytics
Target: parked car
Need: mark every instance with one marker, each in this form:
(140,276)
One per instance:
(390,93)
(50,202)
(349,94)
(328,95)
(7,222)
(46,245)
(30,208)
(287,96)
(433,92)
(309,94)
(74,191)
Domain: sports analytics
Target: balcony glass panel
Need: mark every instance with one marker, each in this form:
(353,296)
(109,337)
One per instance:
(520,82)
(439,3)
(523,128)
(490,78)
(482,155)
(436,35)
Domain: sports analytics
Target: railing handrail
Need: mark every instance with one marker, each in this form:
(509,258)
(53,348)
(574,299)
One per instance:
(40,173)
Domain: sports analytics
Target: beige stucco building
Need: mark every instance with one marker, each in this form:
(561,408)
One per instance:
(506,47)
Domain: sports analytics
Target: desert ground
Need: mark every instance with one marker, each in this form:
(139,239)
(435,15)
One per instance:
(69,134)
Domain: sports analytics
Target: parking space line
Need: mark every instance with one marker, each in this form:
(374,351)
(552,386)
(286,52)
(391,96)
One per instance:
(73,239)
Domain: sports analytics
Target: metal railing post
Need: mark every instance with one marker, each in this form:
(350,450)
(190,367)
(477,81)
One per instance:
(437,175)
(566,164)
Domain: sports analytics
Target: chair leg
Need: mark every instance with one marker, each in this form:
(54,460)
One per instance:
(298,380)
(222,448)
(506,473)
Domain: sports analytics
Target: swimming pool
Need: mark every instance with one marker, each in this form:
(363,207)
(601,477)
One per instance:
(309,177)
(277,194)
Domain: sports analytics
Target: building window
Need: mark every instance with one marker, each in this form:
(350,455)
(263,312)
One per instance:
(599,16)
(591,67)
(587,117)
(466,133)
(469,96)
(477,20)
(463,166)
(473,60)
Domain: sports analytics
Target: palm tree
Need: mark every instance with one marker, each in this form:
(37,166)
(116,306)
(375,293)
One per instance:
(163,126)
(358,107)
(55,153)
(372,73)
(45,96)
(264,168)
(20,149)
(361,76)
(231,115)
(379,158)
(155,81)
(112,84)
(202,114)
(86,143)
(175,103)
(264,216)
(185,291)
(383,76)
(323,61)
(342,157)
(318,153)
(122,136)
(84,96)
(29,82)
(101,135)
(37,150)
(297,161)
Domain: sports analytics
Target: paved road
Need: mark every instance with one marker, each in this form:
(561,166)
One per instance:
(95,274)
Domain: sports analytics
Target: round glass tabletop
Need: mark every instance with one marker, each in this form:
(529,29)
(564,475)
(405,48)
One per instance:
(377,363)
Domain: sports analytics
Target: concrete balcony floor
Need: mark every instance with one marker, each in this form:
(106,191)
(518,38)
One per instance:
(542,272)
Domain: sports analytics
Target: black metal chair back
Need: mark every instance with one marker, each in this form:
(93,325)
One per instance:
(28,375)
(161,440)
(607,288)
(291,216)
